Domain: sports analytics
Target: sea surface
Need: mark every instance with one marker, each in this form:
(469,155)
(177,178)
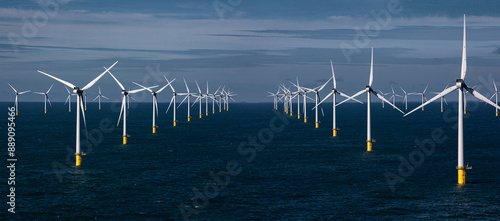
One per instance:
(253,163)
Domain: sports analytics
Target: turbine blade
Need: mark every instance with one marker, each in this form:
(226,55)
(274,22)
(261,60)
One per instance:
(83,114)
(333,76)
(464,56)
(425,89)
(161,89)
(145,88)
(57,79)
(183,101)
(104,97)
(352,97)
(98,77)
(156,105)
(67,99)
(327,96)
(371,71)
(386,101)
(16,91)
(347,96)
(24,92)
(171,100)
(96,97)
(495,85)
(141,89)
(187,88)
(321,88)
(118,82)
(480,96)
(49,100)
(443,93)
(49,89)
(170,83)
(121,109)
(199,90)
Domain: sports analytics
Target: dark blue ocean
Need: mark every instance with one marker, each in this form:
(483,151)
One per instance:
(252,163)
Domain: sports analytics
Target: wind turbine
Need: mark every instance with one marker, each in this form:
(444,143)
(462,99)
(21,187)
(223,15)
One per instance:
(173,100)
(275,98)
(494,95)
(200,97)
(155,102)
(79,107)
(421,94)
(46,94)
(85,94)
(188,96)
(316,91)
(123,109)
(68,99)
(212,96)
(442,98)
(393,97)
(405,100)
(383,95)
(334,93)
(369,90)
(460,86)
(99,96)
(17,93)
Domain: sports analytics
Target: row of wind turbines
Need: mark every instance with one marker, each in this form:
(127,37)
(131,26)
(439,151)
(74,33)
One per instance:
(285,95)
(221,97)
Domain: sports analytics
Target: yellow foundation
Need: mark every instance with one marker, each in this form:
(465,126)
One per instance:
(422,108)
(78,159)
(220,110)
(291,114)
(334,132)
(200,115)
(441,110)
(461,175)
(207,114)
(154,129)
(305,119)
(124,139)
(85,109)
(213,111)
(497,114)
(175,123)
(69,110)
(465,112)
(16,113)
(317,124)
(189,119)
(298,116)
(99,108)
(368,145)
(45,111)
(406,108)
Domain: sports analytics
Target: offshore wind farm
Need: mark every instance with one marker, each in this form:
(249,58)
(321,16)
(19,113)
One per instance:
(134,151)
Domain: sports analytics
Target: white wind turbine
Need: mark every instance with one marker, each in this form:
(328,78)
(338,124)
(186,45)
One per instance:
(200,97)
(383,95)
(334,104)
(229,95)
(316,92)
(421,94)
(188,97)
(46,95)
(79,107)
(405,100)
(85,94)
(460,86)
(123,109)
(99,96)
(393,97)
(442,98)
(173,100)
(212,96)
(494,95)
(17,93)
(275,98)
(68,99)
(368,90)
(155,102)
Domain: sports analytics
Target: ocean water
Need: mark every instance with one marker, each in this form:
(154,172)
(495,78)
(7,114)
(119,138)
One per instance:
(291,170)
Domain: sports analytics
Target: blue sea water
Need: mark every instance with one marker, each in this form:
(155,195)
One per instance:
(296,172)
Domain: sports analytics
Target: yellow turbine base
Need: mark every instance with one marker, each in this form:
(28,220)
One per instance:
(175,123)
(334,132)
(85,109)
(441,110)
(99,108)
(45,111)
(465,112)
(124,139)
(189,119)
(305,119)
(213,111)
(368,145)
(200,115)
(220,110)
(69,110)
(207,114)
(154,129)
(422,108)
(461,175)
(406,108)
(317,124)
(17,113)
(291,114)
(298,116)
(497,114)
(78,159)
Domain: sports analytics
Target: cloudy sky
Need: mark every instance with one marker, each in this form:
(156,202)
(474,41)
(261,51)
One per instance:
(248,46)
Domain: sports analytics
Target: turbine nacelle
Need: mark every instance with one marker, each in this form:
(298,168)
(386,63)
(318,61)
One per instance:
(124,92)
(76,90)
(459,83)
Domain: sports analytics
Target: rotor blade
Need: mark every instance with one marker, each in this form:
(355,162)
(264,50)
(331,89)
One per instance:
(403,90)
(347,96)
(39,93)
(83,114)
(352,97)
(156,105)
(98,77)
(142,89)
(104,97)
(67,90)
(481,97)
(183,101)
(121,109)
(161,89)
(321,88)
(322,112)
(199,90)
(145,88)
(57,79)
(327,96)
(187,88)
(119,84)
(496,90)
(48,100)
(67,99)
(99,89)
(464,57)
(171,100)
(132,98)
(333,76)
(445,101)
(382,98)
(16,91)
(24,92)
(425,89)
(443,93)
(371,71)
(49,89)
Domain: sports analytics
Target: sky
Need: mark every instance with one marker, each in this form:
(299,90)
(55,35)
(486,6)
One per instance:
(247,46)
